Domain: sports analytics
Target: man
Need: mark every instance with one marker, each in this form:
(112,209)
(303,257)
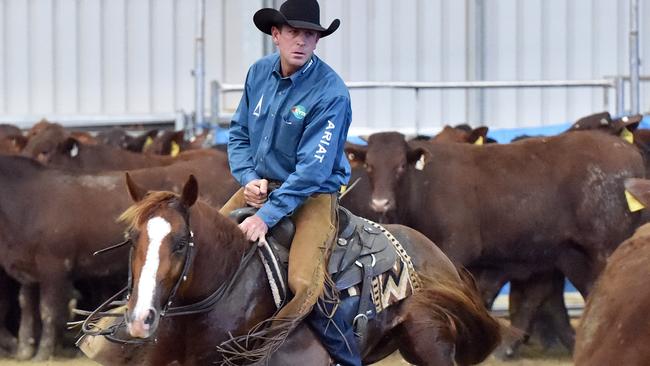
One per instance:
(289,131)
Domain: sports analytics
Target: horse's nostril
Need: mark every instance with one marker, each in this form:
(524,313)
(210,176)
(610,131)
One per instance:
(151,317)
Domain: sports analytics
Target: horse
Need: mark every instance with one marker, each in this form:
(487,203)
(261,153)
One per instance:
(614,325)
(184,250)
(45,246)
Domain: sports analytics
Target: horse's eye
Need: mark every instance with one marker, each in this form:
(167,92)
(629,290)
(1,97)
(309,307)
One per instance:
(179,245)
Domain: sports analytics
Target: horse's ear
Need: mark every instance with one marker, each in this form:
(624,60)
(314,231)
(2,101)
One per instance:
(190,191)
(135,191)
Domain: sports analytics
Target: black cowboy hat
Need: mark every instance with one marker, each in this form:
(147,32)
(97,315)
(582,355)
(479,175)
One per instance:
(303,14)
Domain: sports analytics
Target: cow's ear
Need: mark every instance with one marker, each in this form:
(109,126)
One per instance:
(418,156)
(356,154)
(478,134)
(70,146)
(631,123)
(190,191)
(136,192)
(19,141)
(640,189)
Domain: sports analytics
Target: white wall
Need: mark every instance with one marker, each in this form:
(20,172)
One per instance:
(80,59)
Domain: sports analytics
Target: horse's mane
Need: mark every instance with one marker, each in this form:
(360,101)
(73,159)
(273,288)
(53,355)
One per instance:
(141,211)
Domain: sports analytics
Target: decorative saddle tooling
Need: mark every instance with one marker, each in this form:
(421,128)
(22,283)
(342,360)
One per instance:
(366,261)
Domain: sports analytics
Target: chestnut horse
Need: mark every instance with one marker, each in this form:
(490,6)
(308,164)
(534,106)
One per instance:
(183,251)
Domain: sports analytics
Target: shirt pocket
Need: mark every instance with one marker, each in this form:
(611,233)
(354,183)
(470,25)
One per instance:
(288,135)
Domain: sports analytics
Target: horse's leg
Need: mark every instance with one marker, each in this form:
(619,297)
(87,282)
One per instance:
(55,295)
(421,344)
(300,349)
(28,300)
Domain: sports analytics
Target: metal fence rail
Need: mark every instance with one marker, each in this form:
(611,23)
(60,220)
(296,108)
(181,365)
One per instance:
(615,83)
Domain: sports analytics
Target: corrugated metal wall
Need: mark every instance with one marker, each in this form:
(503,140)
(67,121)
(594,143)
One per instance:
(134,57)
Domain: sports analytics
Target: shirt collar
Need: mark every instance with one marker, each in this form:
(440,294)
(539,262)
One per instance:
(299,73)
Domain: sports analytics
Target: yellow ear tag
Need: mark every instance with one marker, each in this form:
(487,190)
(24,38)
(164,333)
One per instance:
(419,165)
(632,203)
(479,141)
(627,135)
(147,142)
(175,149)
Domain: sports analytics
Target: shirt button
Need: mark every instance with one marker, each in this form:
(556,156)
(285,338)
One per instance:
(266,138)
(272,114)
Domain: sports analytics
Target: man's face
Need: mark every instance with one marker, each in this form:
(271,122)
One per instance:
(296,46)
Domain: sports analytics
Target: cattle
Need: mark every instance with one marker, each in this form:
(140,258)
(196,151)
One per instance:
(614,326)
(9,130)
(51,221)
(54,146)
(173,142)
(118,137)
(531,298)
(515,209)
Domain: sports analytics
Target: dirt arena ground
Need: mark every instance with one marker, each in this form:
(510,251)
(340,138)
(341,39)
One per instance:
(394,360)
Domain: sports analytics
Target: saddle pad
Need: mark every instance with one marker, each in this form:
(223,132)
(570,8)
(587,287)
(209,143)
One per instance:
(397,284)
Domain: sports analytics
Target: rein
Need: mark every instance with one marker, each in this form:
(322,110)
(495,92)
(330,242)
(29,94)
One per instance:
(88,326)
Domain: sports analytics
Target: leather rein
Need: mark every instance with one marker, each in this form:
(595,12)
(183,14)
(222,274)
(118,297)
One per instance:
(89,328)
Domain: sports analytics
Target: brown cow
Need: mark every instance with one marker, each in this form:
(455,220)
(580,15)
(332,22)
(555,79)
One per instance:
(173,142)
(9,130)
(118,137)
(531,206)
(531,298)
(615,325)
(51,221)
(54,146)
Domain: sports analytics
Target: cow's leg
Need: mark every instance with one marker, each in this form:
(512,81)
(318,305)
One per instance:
(55,295)
(559,318)
(28,300)
(579,269)
(489,282)
(7,297)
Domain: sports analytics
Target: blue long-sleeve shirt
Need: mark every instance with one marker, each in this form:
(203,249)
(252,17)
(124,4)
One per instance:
(291,130)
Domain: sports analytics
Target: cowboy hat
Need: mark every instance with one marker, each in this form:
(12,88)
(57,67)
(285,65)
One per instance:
(304,14)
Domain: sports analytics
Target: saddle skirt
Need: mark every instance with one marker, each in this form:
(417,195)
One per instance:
(366,261)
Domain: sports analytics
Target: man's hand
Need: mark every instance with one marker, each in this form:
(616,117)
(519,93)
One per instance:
(254,228)
(256,192)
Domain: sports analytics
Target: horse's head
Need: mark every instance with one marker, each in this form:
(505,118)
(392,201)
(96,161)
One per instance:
(161,254)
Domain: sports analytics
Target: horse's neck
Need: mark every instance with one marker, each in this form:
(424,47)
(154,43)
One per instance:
(219,246)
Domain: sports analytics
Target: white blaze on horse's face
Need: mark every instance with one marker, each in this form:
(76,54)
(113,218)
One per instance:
(157,230)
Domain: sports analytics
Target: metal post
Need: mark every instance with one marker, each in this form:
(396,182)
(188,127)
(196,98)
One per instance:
(267,43)
(620,96)
(199,70)
(634,56)
(215,102)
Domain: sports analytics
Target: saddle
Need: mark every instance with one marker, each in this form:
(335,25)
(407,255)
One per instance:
(361,252)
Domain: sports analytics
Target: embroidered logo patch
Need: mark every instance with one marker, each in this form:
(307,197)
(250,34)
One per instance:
(298,111)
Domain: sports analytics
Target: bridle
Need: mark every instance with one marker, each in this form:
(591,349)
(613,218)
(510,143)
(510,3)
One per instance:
(88,326)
